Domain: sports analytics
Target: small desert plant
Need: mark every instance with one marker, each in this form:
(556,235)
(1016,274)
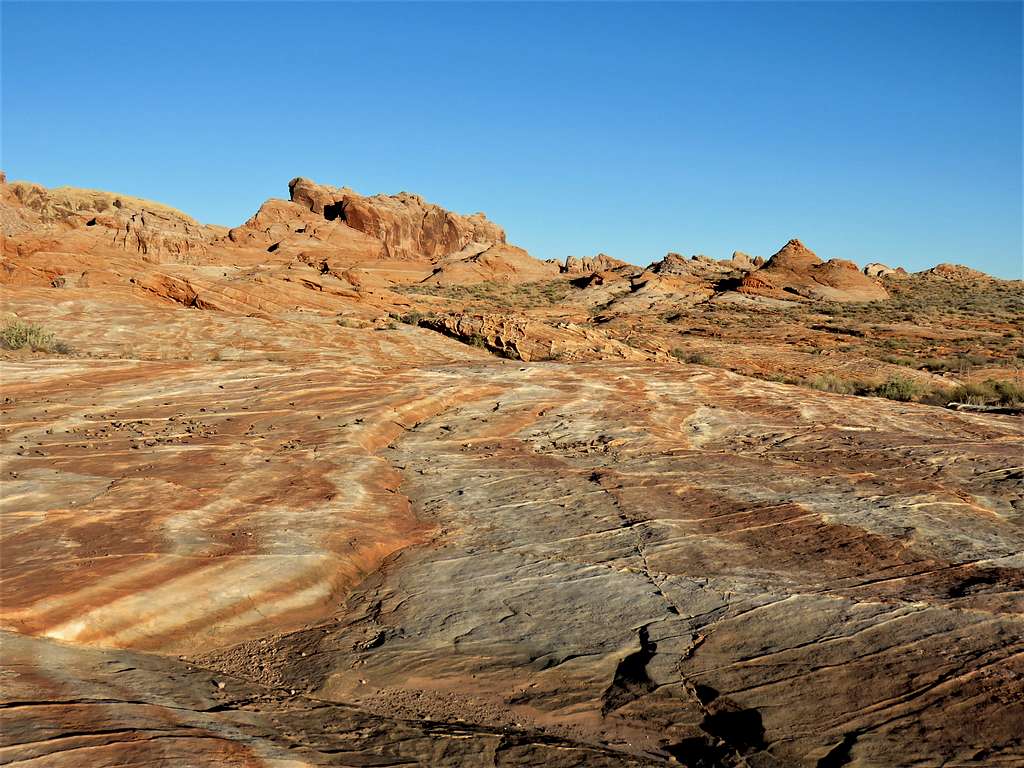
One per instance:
(898,388)
(17,334)
(829,382)
(688,356)
(908,362)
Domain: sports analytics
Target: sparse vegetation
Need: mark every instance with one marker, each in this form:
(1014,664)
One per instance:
(991,392)
(894,388)
(831,383)
(690,356)
(17,334)
(899,388)
(411,318)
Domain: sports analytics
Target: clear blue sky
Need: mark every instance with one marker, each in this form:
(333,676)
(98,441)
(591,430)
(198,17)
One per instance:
(876,132)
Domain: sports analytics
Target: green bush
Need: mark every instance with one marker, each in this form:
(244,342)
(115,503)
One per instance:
(17,334)
(898,388)
(1010,393)
(990,392)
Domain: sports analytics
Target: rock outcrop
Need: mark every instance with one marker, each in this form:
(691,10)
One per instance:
(742,261)
(698,266)
(955,272)
(586,265)
(498,263)
(875,269)
(408,226)
(153,230)
(796,271)
(521,338)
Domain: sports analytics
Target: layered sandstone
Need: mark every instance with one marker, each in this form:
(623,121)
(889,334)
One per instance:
(151,229)
(796,270)
(252,519)
(587,265)
(407,225)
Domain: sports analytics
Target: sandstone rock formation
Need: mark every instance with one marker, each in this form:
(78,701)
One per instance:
(876,269)
(156,231)
(743,261)
(797,270)
(495,263)
(408,226)
(698,266)
(955,272)
(252,519)
(585,265)
(519,338)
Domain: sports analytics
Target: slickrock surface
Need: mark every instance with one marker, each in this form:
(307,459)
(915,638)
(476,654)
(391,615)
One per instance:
(252,520)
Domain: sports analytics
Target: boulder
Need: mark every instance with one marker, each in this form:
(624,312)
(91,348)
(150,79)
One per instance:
(743,261)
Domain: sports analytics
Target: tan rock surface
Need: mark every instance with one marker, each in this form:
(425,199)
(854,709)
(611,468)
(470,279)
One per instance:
(495,263)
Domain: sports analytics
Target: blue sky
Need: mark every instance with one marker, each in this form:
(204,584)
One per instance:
(876,132)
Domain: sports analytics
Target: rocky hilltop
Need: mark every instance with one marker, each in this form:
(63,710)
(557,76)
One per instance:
(797,271)
(358,482)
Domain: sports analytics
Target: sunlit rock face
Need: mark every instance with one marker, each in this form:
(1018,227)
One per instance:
(795,269)
(251,519)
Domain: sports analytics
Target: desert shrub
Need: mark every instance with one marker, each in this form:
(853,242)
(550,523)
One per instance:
(974,394)
(898,388)
(1010,392)
(689,356)
(941,364)
(961,363)
(898,360)
(17,334)
(411,318)
(829,382)
(990,392)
